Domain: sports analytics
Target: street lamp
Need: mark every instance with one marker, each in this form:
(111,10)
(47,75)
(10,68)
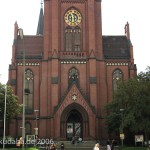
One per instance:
(4,137)
(36,126)
(23,113)
(4,117)
(121,127)
(36,111)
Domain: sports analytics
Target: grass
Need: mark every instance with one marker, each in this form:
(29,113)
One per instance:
(30,148)
(121,148)
(134,148)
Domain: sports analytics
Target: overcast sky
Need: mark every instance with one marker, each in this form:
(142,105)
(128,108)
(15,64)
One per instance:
(115,14)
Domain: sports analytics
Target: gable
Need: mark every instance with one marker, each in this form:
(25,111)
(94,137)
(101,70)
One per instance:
(74,96)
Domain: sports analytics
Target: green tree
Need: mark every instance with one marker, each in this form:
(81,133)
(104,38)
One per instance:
(133,96)
(12,106)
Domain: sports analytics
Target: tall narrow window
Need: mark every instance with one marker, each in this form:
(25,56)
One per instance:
(69,39)
(117,76)
(77,39)
(29,91)
(73,39)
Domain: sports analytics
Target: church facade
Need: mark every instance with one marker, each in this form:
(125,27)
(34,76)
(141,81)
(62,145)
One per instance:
(71,70)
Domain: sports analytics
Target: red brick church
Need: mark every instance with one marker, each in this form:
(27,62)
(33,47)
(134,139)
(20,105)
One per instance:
(71,71)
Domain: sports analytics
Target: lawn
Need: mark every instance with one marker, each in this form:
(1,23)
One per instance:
(121,148)
(134,148)
(31,148)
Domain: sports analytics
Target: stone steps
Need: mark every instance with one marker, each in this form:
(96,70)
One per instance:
(84,145)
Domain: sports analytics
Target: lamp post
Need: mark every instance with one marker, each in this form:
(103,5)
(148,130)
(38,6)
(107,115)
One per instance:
(4,137)
(121,127)
(36,126)
(4,117)
(23,112)
(36,116)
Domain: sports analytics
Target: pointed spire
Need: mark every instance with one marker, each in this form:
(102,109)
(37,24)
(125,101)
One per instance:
(40,27)
(16,30)
(127,30)
(42,3)
(127,33)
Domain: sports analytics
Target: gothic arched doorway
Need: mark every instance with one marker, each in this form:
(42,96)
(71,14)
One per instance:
(74,125)
(74,122)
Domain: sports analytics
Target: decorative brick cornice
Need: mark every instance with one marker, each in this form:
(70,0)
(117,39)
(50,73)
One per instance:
(73,1)
(29,57)
(73,62)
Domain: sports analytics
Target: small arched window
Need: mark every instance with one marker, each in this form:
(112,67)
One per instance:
(29,78)
(73,76)
(117,76)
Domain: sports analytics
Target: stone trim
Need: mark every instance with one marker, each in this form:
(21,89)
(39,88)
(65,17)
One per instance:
(117,64)
(13,82)
(93,80)
(73,62)
(28,64)
(73,1)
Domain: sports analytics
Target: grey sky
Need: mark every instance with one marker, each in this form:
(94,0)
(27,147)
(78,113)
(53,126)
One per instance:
(115,14)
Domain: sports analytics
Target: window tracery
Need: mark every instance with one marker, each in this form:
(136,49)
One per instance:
(29,78)
(117,76)
(73,38)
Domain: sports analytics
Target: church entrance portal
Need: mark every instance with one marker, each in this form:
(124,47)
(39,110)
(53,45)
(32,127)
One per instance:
(74,124)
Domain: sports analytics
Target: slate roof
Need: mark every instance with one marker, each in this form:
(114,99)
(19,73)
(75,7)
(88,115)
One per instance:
(33,46)
(116,47)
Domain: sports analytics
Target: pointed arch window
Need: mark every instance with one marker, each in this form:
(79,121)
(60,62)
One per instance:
(77,39)
(73,39)
(117,76)
(69,39)
(73,76)
(29,78)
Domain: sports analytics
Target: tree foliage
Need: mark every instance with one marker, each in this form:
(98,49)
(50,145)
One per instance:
(133,96)
(12,106)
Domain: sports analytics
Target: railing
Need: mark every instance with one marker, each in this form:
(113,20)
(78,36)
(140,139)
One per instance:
(73,55)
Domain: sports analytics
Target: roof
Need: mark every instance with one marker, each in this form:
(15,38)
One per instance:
(33,46)
(116,47)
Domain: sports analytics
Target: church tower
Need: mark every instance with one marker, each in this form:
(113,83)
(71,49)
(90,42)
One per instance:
(72,52)
(71,71)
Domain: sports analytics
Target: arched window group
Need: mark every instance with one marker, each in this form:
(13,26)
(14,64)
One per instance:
(117,76)
(73,39)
